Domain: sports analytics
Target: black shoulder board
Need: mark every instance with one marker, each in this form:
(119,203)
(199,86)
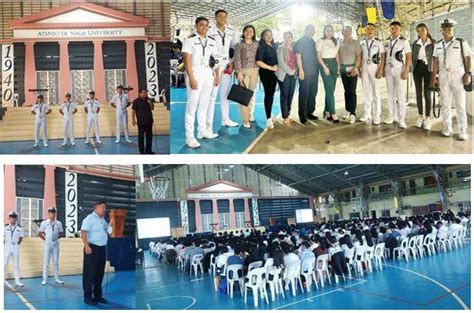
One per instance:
(439,41)
(460,39)
(193,35)
(402,38)
(7,224)
(18,226)
(377,39)
(211,37)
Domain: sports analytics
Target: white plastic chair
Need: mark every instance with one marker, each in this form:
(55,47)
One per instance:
(322,268)
(412,247)
(359,260)
(255,264)
(419,245)
(369,255)
(402,250)
(429,245)
(349,255)
(234,273)
(257,281)
(196,263)
(379,256)
(292,275)
(308,272)
(213,265)
(275,281)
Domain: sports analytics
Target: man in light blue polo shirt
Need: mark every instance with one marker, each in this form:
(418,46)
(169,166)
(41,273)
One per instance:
(94,233)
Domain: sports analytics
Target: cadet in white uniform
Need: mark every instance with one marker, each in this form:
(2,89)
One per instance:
(120,102)
(92,108)
(50,230)
(67,110)
(372,65)
(200,80)
(225,42)
(40,110)
(13,235)
(398,55)
(447,61)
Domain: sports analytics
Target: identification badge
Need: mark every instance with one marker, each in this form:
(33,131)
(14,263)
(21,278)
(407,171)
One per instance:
(54,237)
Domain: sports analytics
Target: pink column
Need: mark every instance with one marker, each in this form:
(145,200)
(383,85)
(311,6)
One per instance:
(64,72)
(9,191)
(99,77)
(246,210)
(198,217)
(215,214)
(232,214)
(49,189)
(30,73)
(132,74)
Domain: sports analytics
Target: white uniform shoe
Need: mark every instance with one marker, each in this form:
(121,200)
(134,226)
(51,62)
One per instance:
(19,284)
(44,282)
(86,142)
(402,124)
(352,119)
(58,281)
(229,123)
(128,141)
(364,118)
(346,117)
(246,125)
(270,123)
(193,143)
(388,121)
(99,142)
(35,145)
(207,135)
(447,132)
(73,143)
(117,141)
(427,124)
(376,121)
(463,136)
(63,144)
(45,145)
(419,122)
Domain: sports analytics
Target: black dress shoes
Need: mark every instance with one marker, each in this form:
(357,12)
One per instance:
(90,301)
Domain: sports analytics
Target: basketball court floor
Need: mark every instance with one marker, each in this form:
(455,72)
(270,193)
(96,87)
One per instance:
(441,281)
(118,289)
(321,136)
(160,146)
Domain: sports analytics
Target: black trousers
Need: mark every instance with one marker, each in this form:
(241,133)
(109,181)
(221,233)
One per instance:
(287,91)
(307,97)
(338,263)
(350,96)
(93,272)
(269,82)
(145,130)
(422,78)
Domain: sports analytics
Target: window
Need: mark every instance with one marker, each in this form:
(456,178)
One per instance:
(206,222)
(30,209)
(240,219)
(224,220)
(354,215)
(384,188)
(385,213)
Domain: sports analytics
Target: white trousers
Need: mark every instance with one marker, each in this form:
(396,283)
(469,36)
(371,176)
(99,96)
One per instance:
(51,250)
(40,124)
(68,124)
(396,93)
(371,86)
(198,101)
(93,122)
(452,88)
(224,89)
(122,121)
(13,251)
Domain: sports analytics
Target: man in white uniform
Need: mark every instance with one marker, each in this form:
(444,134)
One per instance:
(120,102)
(200,80)
(50,231)
(92,108)
(13,235)
(372,65)
(225,41)
(67,110)
(448,63)
(40,110)
(398,54)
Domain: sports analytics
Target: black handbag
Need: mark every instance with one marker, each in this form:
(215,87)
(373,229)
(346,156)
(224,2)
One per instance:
(240,95)
(468,87)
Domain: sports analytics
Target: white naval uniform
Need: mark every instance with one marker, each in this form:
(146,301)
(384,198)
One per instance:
(224,41)
(92,118)
(198,100)
(121,102)
(40,110)
(68,120)
(51,232)
(12,234)
(371,85)
(393,74)
(451,72)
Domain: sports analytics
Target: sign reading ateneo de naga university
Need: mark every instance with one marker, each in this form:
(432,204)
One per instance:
(51,41)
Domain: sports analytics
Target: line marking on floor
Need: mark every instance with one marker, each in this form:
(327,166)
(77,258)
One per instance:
(94,146)
(189,297)
(464,306)
(256,140)
(19,295)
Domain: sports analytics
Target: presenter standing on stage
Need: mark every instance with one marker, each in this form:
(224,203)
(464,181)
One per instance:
(94,233)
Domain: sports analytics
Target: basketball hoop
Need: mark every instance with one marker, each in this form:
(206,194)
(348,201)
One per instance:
(158,186)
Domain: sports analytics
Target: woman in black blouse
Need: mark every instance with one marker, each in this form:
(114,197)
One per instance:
(267,61)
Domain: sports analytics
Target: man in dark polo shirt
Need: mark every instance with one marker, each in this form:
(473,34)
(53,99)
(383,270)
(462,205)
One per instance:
(143,117)
(308,71)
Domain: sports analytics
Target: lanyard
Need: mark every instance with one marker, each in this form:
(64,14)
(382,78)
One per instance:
(41,109)
(222,37)
(392,46)
(445,49)
(203,46)
(52,226)
(68,104)
(12,231)
(369,47)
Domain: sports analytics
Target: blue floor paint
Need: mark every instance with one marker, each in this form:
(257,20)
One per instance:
(118,289)
(231,140)
(399,286)
(160,145)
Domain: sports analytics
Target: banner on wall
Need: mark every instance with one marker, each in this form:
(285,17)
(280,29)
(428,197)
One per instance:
(388,8)
(71,204)
(256,220)
(151,64)
(7,75)
(183,204)
(372,15)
